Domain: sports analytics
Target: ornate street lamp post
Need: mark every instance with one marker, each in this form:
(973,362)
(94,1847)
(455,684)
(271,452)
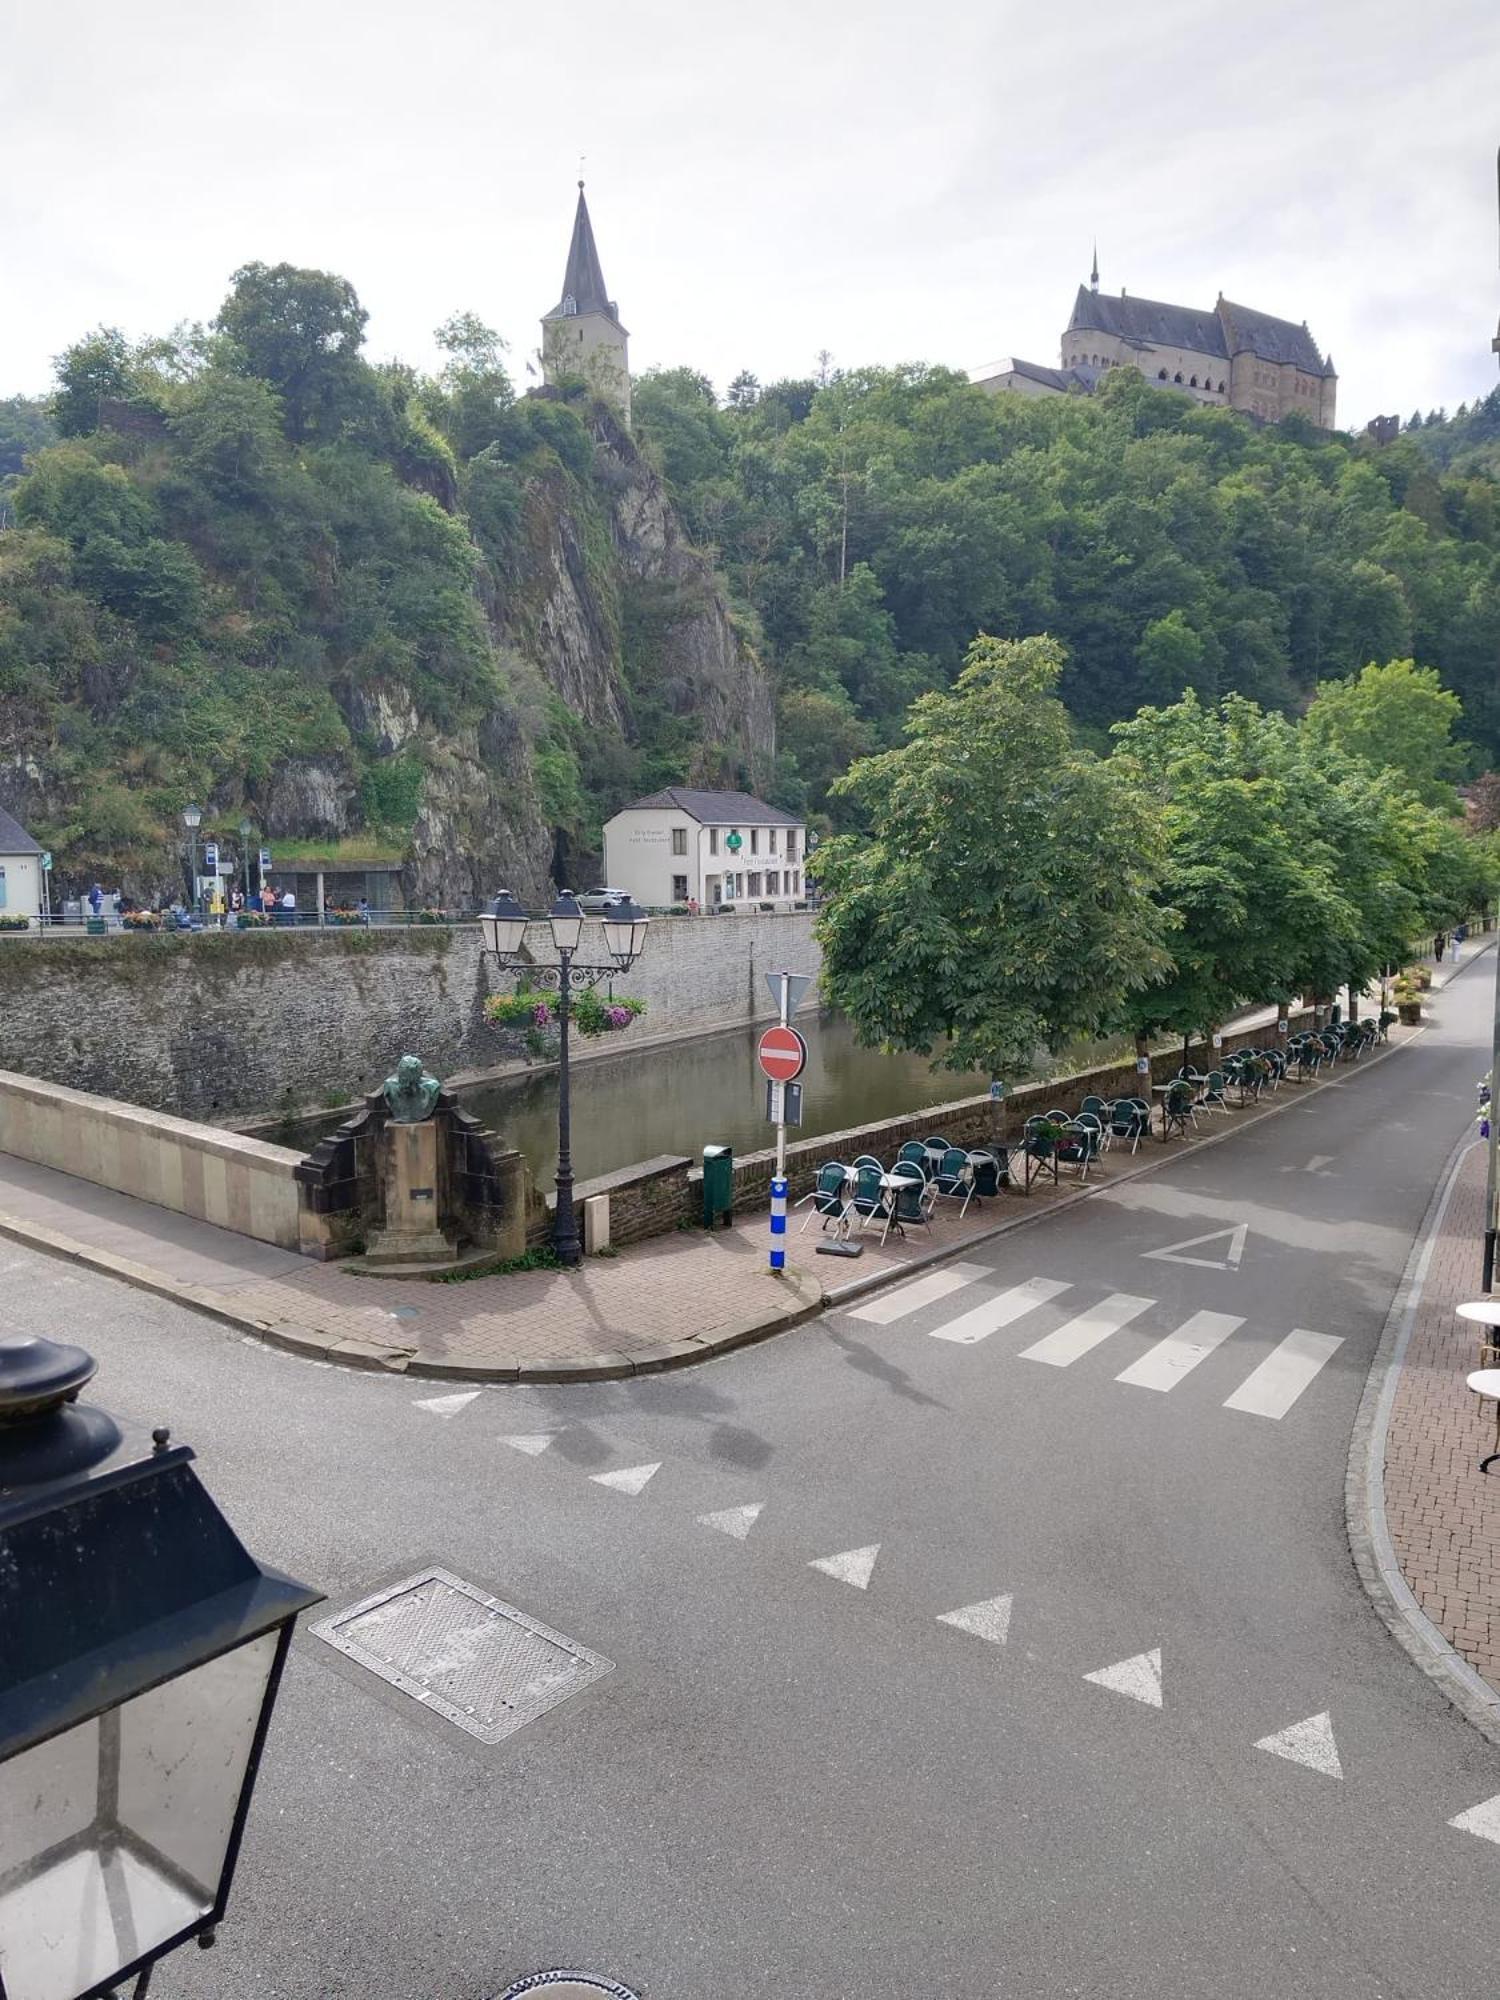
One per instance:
(141,1649)
(192,819)
(246,829)
(504,930)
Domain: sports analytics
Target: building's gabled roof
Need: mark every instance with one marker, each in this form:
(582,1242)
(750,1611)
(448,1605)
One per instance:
(1149,320)
(1271,339)
(14,839)
(583,283)
(714,808)
(1060,379)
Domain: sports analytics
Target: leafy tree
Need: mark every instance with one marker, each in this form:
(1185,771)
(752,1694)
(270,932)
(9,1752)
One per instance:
(470,401)
(1398,717)
(93,370)
(744,390)
(301,331)
(1484,802)
(24,427)
(1003,902)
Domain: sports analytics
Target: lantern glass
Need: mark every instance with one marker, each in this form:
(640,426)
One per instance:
(115,1835)
(503,926)
(625,933)
(566,920)
(192,816)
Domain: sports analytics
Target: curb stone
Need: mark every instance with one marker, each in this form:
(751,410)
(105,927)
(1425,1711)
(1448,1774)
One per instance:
(1370,1542)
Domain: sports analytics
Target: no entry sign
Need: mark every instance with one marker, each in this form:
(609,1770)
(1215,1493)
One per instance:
(782,1054)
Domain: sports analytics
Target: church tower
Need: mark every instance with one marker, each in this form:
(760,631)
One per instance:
(582,338)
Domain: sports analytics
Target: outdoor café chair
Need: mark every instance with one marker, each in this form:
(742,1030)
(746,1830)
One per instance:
(954,1179)
(914,1196)
(1098,1108)
(913,1154)
(1177,1111)
(868,1160)
(870,1201)
(829,1196)
(1039,1150)
(1213,1098)
(1127,1121)
(1077,1146)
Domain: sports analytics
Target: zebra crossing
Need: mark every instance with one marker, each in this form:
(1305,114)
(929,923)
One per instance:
(1271,1388)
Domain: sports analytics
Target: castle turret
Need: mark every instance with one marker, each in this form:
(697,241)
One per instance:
(582,338)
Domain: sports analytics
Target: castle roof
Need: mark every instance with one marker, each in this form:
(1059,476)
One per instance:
(1225,331)
(1149,322)
(14,839)
(1271,339)
(714,808)
(1060,379)
(583,283)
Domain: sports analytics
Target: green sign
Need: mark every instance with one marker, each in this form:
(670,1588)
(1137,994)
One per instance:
(46,859)
(734,843)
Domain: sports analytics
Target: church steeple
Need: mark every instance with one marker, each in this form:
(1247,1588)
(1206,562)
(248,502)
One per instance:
(1093,275)
(583,289)
(582,338)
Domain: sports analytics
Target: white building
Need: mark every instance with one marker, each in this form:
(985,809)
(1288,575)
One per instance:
(20,871)
(710,847)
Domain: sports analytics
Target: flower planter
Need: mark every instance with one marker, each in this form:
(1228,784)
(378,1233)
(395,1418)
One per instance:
(1410,1012)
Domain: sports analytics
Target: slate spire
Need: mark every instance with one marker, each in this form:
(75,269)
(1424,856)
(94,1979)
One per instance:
(1094,274)
(583,285)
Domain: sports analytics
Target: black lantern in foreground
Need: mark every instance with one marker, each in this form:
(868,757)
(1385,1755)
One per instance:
(141,1648)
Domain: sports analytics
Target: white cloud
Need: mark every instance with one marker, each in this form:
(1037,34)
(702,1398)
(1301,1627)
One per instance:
(885,182)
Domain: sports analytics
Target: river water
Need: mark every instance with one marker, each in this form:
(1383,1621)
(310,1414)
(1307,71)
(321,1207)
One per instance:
(679,1098)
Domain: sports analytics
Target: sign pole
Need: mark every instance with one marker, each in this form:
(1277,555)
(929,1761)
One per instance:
(778,1183)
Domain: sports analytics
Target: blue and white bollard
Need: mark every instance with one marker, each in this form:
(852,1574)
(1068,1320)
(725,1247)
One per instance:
(778,1223)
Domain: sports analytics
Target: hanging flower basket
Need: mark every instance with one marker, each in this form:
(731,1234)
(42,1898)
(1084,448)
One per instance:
(595,1016)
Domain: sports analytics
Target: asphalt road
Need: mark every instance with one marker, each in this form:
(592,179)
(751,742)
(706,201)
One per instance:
(794,1785)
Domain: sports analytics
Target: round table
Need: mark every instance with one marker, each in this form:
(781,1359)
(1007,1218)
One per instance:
(1484,1312)
(1486,1382)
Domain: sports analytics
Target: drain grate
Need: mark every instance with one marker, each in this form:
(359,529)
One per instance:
(477,1662)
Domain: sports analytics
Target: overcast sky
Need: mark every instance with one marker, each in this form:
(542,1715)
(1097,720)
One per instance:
(886,181)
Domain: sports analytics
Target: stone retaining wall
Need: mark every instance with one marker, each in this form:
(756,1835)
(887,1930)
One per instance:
(223,1024)
(221,1177)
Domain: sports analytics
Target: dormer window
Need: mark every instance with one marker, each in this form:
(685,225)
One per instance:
(570,307)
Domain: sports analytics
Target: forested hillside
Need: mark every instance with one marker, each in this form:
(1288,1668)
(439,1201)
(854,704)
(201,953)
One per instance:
(876,523)
(391,614)
(380,614)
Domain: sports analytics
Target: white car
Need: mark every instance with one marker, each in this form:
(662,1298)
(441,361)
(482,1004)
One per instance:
(599,902)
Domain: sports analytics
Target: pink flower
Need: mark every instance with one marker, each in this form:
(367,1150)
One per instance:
(541,1015)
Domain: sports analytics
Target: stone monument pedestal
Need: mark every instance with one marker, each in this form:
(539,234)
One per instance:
(410,1175)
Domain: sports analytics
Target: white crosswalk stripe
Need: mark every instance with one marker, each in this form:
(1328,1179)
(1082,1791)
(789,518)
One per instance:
(1163,1366)
(904,1299)
(1271,1389)
(1081,1335)
(999,1311)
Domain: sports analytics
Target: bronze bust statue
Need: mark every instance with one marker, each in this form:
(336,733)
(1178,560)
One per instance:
(411,1093)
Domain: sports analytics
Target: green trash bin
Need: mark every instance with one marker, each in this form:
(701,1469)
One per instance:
(718,1186)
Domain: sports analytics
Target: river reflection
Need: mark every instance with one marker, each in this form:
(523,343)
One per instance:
(681,1097)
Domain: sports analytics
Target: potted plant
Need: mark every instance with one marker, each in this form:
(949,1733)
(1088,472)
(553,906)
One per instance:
(1408,1001)
(142,920)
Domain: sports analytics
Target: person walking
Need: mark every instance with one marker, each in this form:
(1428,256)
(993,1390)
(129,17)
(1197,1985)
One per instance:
(96,899)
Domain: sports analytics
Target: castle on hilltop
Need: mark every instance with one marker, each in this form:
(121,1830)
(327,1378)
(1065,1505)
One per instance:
(1231,356)
(582,338)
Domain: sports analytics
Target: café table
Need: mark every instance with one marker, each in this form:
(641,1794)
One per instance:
(1486,1382)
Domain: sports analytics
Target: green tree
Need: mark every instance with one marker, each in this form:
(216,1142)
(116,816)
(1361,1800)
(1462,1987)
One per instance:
(301,331)
(92,371)
(1397,717)
(1003,902)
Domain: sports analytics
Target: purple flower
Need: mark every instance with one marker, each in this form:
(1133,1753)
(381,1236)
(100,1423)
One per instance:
(541,1015)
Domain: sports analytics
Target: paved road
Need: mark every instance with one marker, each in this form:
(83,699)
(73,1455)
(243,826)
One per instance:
(804,1781)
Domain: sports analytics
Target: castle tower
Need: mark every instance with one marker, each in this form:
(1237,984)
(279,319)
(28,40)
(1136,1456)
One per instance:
(582,338)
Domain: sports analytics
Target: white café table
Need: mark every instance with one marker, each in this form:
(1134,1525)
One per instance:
(1483,1312)
(1486,1382)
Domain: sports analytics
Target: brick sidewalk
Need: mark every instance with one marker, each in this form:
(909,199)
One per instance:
(1442,1513)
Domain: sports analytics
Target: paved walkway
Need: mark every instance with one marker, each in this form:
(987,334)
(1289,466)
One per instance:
(676,1299)
(1443,1514)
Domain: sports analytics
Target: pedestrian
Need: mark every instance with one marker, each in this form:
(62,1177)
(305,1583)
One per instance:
(1440,946)
(268,898)
(96,899)
(364,910)
(288,903)
(236,903)
(692,906)
(1458,937)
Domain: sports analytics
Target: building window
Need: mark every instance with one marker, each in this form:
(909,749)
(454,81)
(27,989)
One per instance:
(771,841)
(570,306)
(791,844)
(754,885)
(713,840)
(791,883)
(755,840)
(679,888)
(1161,374)
(679,840)
(773,882)
(1221,388)
(1192,381)
(1178,376)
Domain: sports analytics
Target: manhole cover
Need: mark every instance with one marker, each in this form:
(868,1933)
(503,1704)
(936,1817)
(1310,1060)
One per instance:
(569,1986)
(482,1664)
